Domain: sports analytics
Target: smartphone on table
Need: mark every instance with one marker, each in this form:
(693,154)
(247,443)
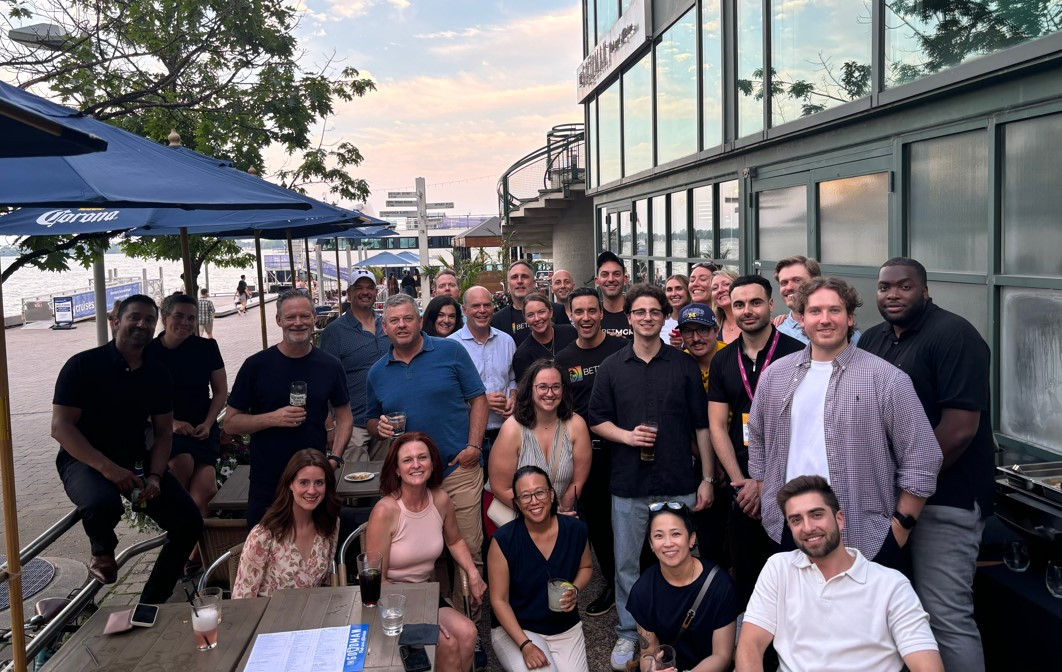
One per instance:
(144,615)
(414,658)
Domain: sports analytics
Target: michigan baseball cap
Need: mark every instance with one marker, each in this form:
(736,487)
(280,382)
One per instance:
(360,273)
(697,313)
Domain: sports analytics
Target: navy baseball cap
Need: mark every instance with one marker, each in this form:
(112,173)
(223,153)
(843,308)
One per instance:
(697,313)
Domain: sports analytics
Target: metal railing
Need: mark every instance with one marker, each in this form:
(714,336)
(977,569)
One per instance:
(552,168)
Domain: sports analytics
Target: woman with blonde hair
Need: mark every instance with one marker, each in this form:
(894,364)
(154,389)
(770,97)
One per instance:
(721,282)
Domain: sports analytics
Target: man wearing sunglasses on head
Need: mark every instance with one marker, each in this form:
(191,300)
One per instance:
(649,405)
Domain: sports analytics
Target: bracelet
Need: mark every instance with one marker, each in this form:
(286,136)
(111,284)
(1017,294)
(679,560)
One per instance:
(472,445)
(154,474)
(526,642)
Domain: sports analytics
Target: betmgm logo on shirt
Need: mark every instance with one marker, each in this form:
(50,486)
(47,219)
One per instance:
(577,374)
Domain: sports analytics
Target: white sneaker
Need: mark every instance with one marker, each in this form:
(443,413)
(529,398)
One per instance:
(622,653)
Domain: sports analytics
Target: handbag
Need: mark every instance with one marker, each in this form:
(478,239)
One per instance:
(499,513)
(696,603)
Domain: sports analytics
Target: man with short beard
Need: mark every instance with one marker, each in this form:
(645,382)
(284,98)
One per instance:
(610,280)
(825,605)
(520,281)
(949,364)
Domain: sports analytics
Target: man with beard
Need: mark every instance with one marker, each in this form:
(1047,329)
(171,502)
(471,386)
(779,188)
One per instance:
(790,273)
(839,412)
(734,376)
(610,279)
(949,364)
(103,398)
(825,605)
(262,404)
(581,360)
(547,338)
(520,281)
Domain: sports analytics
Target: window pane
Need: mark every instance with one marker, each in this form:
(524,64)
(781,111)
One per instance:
(608,122)
(679,226)
(679,268)
(1032,366)
(602,229)
(591,25)
(965,299)
(854,220)
(641,271)
(592,144)
(702,222)
(641,228)
(607,15)
(712,72)
(614,232)
(750,66)
(922,38)
(783,218)
(638,116)
(676,90)
(659,225)
(729,207)
(628,267)
(1032,201)
(624,5)
(947,203)
(820,57)
(867,315)
(623,220)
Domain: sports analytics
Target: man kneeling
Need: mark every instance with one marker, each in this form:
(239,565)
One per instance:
(826,606)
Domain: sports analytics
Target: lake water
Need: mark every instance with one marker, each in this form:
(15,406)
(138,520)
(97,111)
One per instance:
(29,282)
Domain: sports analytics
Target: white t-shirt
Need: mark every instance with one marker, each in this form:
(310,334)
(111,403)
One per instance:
(862,620)
(807,438)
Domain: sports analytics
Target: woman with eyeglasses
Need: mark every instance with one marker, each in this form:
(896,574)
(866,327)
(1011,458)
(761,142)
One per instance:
(524,556)
(409,526)
(661,598)
(543,431)
(442,317)
(721,282)
(677,289)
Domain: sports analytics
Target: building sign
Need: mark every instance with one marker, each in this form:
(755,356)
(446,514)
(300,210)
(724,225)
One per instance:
(401,194)
(613,49)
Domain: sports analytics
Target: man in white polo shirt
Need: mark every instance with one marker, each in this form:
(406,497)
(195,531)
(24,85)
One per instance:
(825,606)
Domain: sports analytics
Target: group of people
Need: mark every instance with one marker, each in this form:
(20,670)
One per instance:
(739,478)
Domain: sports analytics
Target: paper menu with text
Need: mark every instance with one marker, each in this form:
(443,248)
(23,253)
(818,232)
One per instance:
(339,649)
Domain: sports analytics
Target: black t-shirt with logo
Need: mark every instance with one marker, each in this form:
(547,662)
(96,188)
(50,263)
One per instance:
(582,364)
(616,324)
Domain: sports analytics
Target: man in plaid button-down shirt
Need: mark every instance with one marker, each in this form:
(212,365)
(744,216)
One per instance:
(849,416)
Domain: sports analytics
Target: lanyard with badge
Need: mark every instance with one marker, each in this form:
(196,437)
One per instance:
(745,381)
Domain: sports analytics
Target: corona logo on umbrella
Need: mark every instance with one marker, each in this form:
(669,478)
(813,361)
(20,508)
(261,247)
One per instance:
(83,216)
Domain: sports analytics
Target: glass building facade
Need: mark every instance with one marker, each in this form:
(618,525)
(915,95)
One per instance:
(744,131)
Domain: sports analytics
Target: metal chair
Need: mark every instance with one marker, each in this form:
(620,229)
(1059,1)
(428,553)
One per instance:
(229,560)
(220,535)
(339,575)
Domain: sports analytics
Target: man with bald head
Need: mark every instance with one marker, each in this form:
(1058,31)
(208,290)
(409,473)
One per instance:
(492,352)
(561,285)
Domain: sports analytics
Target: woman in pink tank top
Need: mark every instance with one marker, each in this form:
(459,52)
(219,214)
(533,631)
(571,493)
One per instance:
(409,526)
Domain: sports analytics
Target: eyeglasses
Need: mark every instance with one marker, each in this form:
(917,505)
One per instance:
(700,332)
(542,388)
(642,312)
(540,495)
(674,506)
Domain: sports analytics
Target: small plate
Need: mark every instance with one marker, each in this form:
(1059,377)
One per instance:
(359,476)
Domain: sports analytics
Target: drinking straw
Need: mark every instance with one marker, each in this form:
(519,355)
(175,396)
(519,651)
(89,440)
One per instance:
(190,600)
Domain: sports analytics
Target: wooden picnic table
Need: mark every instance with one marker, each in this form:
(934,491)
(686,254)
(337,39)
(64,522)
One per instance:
(168,645)
(233,494)
(306,609)
(371,488)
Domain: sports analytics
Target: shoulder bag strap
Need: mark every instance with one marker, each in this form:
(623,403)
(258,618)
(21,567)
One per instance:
(696,603)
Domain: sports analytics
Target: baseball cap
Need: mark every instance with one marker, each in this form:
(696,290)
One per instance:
(360,273)
(696,313)
(606,257)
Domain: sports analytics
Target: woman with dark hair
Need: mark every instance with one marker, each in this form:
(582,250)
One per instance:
(409,526)
(661,598)
(295,542)
(442,317)
(677,289)
(543,431)
(524,556)
(200,390)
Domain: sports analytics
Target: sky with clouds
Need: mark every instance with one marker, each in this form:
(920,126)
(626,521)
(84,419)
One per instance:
(464,88)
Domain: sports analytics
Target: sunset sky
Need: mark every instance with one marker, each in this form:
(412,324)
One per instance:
(464,88)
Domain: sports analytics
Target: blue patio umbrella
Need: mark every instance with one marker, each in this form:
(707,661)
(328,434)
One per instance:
(385,259)
(25,132)
(132,172)
(413,259)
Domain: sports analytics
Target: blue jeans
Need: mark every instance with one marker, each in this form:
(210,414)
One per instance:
(630,517)
(944,548)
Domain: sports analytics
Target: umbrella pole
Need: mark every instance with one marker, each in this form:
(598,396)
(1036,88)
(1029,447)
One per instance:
(339,276)
(261,286)
(291,258)
(7,484)
(186,259)
(309,278)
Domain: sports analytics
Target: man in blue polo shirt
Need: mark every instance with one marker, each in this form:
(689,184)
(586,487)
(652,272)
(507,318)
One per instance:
(434,382)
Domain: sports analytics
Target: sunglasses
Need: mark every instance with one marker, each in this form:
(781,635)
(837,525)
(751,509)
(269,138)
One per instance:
(674,506)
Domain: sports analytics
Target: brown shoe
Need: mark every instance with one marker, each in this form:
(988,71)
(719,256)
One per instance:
(103,568)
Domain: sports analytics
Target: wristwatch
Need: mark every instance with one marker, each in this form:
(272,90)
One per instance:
(337,458)
(905,521)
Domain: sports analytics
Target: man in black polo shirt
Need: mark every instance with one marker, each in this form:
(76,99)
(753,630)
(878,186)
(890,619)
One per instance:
(581,360)
(611,278)
(948,362)
(260,402)
(647,383)
(732,379)
(103,398)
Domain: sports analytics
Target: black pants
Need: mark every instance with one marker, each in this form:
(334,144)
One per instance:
(749,549)
(100,505)
(596,500)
